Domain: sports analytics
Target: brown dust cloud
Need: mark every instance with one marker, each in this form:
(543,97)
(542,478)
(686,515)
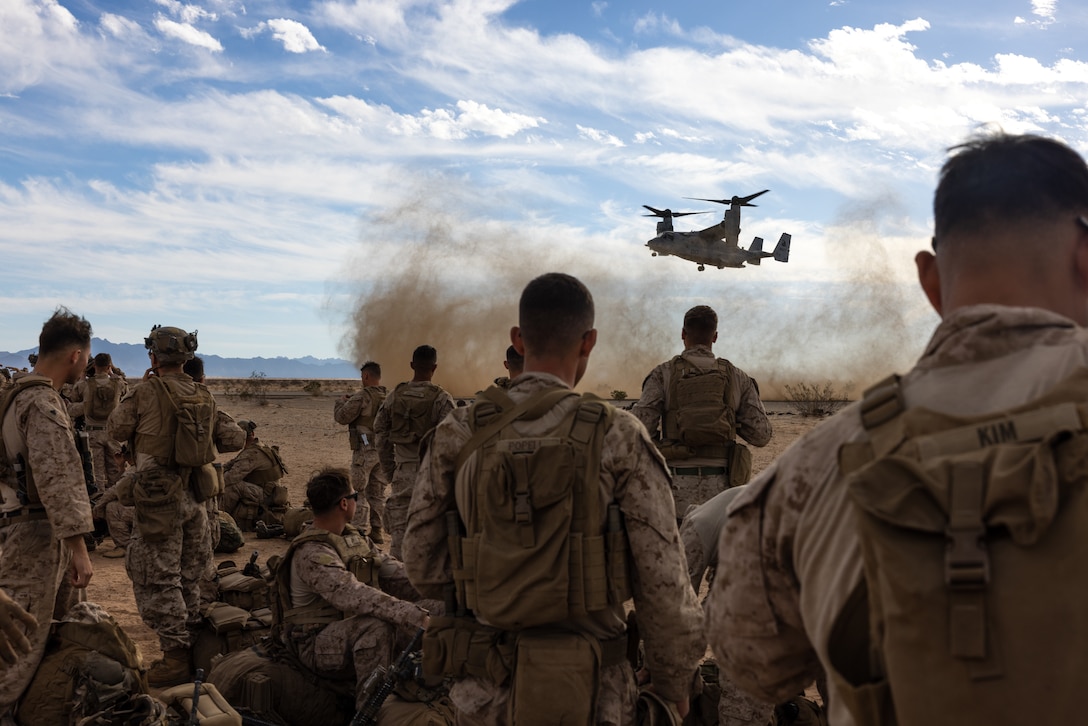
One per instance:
(426,276)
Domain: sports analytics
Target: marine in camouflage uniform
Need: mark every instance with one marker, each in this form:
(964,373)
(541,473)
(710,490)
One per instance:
(400,461)
(358,412)
(166,573)
(632,474)
(250,483)
(698,478)
(699,534)
(43,556)
(789,551)
(96,413)
(368,621)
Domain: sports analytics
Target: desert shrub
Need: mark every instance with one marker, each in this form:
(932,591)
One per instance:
(313,388)
(813,399)
(255,389)
(618,395)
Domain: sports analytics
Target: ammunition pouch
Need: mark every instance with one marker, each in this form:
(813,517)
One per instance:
(740,464)
(157,494)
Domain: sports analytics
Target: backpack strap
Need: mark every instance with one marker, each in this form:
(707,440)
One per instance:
(532,407)
(881,406)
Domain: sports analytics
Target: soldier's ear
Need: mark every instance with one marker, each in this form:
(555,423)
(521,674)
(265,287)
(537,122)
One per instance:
(929,277)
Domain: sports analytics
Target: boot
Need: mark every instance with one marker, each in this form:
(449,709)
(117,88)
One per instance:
(172,670)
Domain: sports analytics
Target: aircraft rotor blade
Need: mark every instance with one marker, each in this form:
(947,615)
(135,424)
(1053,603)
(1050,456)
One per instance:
(742,201)
(666,213)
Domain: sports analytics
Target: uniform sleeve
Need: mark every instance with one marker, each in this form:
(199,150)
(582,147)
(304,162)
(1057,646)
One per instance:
(382,424)
(344,412)
(443,404)
(752,422)
(668,613)
(753,614)
(321,569)
(56,466)
(121,424)
(229,436)
(425,548)
(238,468)
(651,404)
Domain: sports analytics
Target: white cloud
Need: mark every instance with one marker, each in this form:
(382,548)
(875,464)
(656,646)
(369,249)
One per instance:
(187,14)
(601,137)
(187,34)
(120,27)
(295,36)
(1045,9)
(598,7)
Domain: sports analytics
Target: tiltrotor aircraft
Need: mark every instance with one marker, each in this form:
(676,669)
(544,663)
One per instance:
(715,245)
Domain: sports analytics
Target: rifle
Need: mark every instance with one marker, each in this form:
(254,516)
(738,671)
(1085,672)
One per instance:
(194,715)
(251,569)
(83,445)
(382,682)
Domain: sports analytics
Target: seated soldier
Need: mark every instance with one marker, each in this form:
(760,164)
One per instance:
(343,603)
(251,478)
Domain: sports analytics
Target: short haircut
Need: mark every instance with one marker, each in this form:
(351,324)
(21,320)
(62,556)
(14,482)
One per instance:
(194,368)
(63,331)
(372,368)
(554,312)
(998,178)
(103,360)
(326,488)
(700,324)
(425,355)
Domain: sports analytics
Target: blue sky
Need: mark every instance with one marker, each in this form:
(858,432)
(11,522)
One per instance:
(355,177)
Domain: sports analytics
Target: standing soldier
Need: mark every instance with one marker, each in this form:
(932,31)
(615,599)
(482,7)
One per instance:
(358,412)
(45,509)
(95,398)
(555,499)
(408,414)
(702,404)
(171,547)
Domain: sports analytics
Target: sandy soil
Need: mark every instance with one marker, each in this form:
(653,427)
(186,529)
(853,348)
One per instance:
(303,427)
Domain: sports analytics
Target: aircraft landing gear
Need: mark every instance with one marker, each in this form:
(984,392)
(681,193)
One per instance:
(701,268)
(653,254)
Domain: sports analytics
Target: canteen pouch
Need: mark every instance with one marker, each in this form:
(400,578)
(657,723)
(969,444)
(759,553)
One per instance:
(207,481)
(157,495)
(740,465)
(556,678)
(457,647)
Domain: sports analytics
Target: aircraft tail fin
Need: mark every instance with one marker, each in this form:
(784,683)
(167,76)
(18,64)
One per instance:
(782,249)
(757,250)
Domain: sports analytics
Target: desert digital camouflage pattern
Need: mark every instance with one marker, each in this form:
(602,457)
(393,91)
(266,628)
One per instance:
(367,476)
(788,557)
(633,475)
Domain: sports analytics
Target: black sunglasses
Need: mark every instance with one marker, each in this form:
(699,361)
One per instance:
(354,496)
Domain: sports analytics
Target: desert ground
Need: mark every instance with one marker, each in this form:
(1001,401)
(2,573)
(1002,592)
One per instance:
(302,426)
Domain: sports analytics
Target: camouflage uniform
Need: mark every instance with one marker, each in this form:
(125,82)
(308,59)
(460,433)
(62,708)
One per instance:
(103,448)
(166,574)
(350,649)
(242,498)
(118,517)
(401,461)
(789,553)
(752,425)
(699,534)
(33,558)
(367,476)
(633,475)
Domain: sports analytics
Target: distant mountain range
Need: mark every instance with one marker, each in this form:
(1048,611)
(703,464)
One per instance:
(132,359)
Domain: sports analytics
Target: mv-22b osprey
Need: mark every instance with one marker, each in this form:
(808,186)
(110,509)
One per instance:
(715,245)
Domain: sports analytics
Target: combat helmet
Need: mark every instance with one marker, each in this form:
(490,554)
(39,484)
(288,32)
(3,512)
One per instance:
(172,346)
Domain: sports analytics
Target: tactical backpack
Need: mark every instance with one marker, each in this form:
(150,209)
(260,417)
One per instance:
(974,605)
(271,474)
(698,416)
(91,672)
(410,415)
(101,398)
(188,437)
(533,550)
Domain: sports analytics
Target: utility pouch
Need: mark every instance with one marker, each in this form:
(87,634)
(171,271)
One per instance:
(353,437)
(556,679)
(458,647)
(157,495)
(740,464)
(207,481)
